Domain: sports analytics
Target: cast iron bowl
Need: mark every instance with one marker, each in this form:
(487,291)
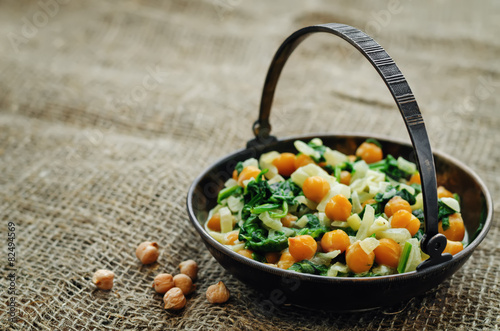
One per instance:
(281,286)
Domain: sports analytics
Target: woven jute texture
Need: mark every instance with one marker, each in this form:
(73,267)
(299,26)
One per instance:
(110,109)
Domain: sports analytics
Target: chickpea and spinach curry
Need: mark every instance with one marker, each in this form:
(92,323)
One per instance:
(323,212)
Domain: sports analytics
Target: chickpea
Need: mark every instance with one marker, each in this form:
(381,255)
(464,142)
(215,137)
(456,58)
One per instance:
(247,173)
(246,253)
(302,247)
(189,268)
(174,299)
(387,252)
(185,283)
(335,240)
(163,282)
(396,203)
(315,188)
(214,222)
(285,164)
(338,208)
(453,247)
(302,160)
(345,177)
(444,193)
(357,260)
(147,252)
(286,260)
(103,279)
(217,293)
(456,229)
(369,152)
(405,219)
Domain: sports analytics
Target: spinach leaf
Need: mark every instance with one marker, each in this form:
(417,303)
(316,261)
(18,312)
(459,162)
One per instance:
(419,235)
(283,213)
(306,266)
(443,214)
(260,197)
(347,166)
(228,191)
(417,187)
(391,192)
(320,149)
(264,207)
(389,166)
(378,209)
(284,191)
(313,228)
(350,231)
(407,196)
(419,213)
(259,239)
(330,169)
(239,167)
(374,141)
(259,257)
(336,173)
(256,193)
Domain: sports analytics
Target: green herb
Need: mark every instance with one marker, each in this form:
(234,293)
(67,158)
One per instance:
(336,170)
(313,228)
(378,209)
(444,212)
(419,213)
(318,148)
(259,257)
(307,267)
(374,141)
(263,208)
(260,239)
(330,169)
(347,166)
(419,235)
(445,223)
(336,173)
(239,167)
(228,191)
(350,231)
(403,260)
(285,191)
(283,213)
(391,192)
(417,187)
(389,166)
(407,196)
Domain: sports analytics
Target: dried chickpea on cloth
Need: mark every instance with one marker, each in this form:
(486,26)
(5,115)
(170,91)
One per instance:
(323,212)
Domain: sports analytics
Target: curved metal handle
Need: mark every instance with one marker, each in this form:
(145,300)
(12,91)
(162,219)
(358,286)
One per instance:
(433,243)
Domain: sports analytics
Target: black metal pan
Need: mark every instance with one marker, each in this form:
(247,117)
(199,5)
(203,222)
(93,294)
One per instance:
(435,169)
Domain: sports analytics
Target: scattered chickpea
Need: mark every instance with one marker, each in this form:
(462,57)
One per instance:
(189,268)
(147,252)
(163,282)
(103,279)
(174,299)
(185,283)
(217,293)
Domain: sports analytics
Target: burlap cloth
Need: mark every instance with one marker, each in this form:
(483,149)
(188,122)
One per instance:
(110,109)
